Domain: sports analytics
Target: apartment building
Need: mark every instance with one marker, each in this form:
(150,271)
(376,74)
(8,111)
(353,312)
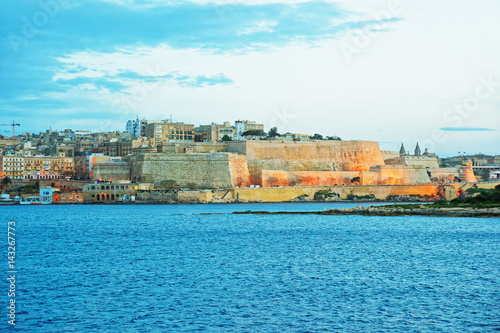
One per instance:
(36,167)
(215,132)
(137,127)
(47,167)
(246,125)
(12,167)
(168,131)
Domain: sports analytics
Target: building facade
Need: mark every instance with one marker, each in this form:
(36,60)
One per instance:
(215,132)
(116,191)
(168,131)
(44,167)
(137,128)
(36,167)
(246,125)
(12,167)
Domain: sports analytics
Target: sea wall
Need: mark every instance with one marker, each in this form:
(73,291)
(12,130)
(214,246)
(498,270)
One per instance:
(279,194)
(272,178)
(380,175)
(307,156)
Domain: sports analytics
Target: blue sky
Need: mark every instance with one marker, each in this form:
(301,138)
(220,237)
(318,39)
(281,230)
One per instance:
(388,71)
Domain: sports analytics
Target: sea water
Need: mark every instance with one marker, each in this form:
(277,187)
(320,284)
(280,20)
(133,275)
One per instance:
(171,268)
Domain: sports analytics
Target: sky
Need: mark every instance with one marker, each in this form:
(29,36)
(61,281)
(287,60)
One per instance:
(397,71)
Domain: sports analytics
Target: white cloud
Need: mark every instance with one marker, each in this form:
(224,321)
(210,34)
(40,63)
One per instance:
(401,82)
(260,26)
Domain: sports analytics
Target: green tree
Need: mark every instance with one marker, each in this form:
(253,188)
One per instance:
(333,138)
(355,180)
(5,182)
(254,133)
(484,174)
(226,138)
(273,132)
(316,136)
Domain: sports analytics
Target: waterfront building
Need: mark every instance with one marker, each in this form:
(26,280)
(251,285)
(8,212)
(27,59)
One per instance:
(36,167)
(12,167)
(48,167)
(114,191)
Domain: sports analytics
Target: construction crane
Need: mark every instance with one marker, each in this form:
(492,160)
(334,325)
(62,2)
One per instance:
(13,127)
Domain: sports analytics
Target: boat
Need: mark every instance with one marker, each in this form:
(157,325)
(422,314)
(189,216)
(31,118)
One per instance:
(5,198)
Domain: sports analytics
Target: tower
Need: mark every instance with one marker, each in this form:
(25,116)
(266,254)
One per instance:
(417,150)
(402,151)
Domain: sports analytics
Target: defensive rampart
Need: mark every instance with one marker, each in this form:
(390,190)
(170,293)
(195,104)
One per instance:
(428,162)
(307,156)
(379,175)
(401,175)
(111,171)
(280,194)
(200,170)
(192,147)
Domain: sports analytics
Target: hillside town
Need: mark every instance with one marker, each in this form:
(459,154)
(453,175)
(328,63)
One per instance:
(156,159)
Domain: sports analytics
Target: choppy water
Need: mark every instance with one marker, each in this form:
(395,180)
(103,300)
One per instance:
(167,269)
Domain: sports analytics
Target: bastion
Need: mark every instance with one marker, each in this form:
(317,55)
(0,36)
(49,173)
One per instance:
(200,170)
(307,156)
(272,164)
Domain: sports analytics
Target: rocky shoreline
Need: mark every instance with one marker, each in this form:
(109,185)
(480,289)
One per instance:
(394,211)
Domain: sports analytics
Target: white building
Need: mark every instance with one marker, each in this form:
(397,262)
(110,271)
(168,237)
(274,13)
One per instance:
(137,128)
(134,127)
(247,125)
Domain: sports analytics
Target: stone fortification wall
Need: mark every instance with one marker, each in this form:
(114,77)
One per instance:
(201,170)
(381,175)
(444,175)
(238,168)
(401,175)
(272,178)
(111,171)
(197,147)
(279,194)
(388,154)
(428,162)
(308,156)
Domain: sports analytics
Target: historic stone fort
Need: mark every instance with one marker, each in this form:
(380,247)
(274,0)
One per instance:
(243,164)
